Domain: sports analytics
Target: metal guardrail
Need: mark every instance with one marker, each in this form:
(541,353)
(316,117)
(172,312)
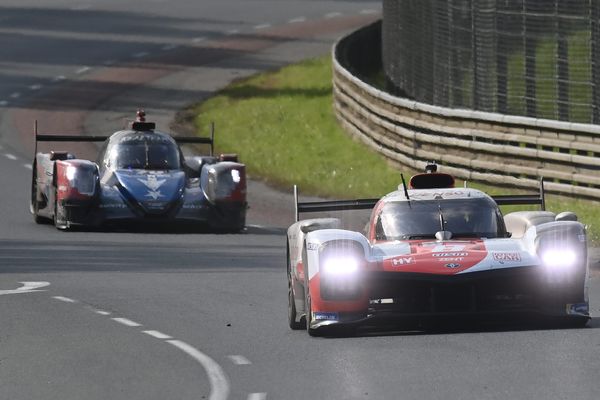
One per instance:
(473,145)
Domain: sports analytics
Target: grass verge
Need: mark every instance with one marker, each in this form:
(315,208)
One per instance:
(282,125)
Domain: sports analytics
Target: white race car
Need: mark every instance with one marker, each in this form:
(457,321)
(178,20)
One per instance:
(431,251)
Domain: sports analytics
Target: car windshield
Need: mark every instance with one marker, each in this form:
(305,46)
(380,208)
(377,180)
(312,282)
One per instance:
(162,155)
(422,219)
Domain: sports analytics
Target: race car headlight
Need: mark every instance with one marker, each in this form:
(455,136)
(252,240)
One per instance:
(235,176)
(340,265)
(559,258)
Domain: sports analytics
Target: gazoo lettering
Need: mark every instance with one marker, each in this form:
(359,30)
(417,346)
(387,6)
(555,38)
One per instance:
(402,261)
(454,254)
(506,256)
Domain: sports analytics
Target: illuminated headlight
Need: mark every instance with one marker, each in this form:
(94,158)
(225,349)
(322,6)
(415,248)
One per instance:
(340,265)
(235,175)
(554,258)
(71,172)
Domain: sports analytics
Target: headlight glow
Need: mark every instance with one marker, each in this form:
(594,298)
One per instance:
(554,258)
(71,171)
(340,265)
(235,175)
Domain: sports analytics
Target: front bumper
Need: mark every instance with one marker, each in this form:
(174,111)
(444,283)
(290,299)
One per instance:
(499,295)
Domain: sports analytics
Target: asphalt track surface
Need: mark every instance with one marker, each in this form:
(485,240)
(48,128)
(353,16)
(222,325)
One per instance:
(150,315)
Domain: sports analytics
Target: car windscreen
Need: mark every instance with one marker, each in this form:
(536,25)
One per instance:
(423,218)
(145,155)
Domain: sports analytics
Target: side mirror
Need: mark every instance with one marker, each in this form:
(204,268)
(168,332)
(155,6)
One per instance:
(566,216)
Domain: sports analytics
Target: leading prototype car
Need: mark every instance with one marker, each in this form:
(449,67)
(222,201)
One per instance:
(434,251)
(140,177)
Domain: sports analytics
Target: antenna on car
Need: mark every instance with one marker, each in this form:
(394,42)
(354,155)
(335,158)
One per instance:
(404,186)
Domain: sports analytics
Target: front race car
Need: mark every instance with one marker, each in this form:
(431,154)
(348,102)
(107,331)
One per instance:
(432,253)
(412,281)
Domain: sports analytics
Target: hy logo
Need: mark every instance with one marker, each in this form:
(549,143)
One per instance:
(153,184)
(396,262)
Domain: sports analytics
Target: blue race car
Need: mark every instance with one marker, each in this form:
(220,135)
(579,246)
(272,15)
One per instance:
(140,177)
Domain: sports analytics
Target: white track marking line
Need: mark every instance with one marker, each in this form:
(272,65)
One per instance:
(262,26)
(59,78)
(257,396)
(10,156)
(3,103)
(37,86)
(102,312)
(64,299)
(218,380)
(239,360)
(198,39)
(126,322)
(158,335)
(28,166)
(82,70)
(15,95)
(232,32)
(369,11)
(333,15)
(297,20)
(141,54)
(169,47)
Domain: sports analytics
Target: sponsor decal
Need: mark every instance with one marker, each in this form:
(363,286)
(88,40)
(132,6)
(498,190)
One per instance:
(506,256)
(578,309)
(312,246)
(396,262)
(62,188)
(451,259)
(452,265)
(453,254)
(114,205)
(582,238)
(192,206)
(325,316)
(153,184)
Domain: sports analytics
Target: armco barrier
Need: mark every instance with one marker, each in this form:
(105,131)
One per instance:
(472,145)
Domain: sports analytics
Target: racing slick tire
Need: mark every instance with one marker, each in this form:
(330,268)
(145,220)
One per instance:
(58,224)
(292,314)
(35,205)
(311,331)
(294,325)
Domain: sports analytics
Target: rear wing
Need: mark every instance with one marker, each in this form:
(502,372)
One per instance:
(334,205)
(523,199)
(42,137)
(367,204)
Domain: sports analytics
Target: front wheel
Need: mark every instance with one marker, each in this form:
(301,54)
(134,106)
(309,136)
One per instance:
(34,206)
(311,331)
(292,314)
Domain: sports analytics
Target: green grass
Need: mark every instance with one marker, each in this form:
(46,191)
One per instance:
(282,125)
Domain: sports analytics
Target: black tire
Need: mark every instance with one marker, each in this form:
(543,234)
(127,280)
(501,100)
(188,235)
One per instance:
(57,224)
(292,314)
(311,331)
(35,205)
